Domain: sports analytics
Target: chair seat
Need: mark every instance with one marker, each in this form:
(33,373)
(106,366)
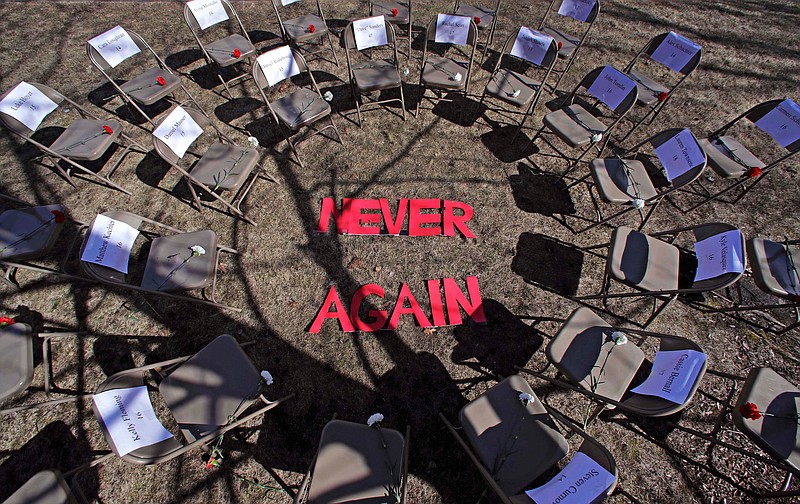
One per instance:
(772,271)
(45,487)
(376,75)
(504,83)
(297,28)
(439,72)
(574,125)
(16,359)
(221,51)
(648,88)
(163,270)
(225,166)
(85,140)
(146,90)
(619,186)
(641,261)
(722,161)
(300,108)
(15,224)
(385,8)
(352,465)
(568,42)
(486,15)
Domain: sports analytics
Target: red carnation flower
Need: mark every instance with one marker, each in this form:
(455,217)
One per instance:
(754,172)
(662,95)
(750,411)
(108,129)
(311,28)
(477,20)
(161,81)
(4,321)
(559,45)
(58,216)
(237,53)
(395,12)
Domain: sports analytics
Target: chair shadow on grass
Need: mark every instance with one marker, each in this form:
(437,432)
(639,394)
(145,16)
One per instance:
(540,193)
(548,263)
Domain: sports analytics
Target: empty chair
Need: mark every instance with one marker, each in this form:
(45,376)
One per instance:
(89,138)
(372,62)
(485,18)
(298,109)
(231,48)
(223,167)
(582,14)
(145,87)
(398,13)
(301,29)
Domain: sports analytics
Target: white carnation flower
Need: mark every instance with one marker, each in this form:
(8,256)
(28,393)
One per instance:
(253,141)
(457,77)
(328,96)
(516,93)
(376,418)
(637,203)
(267,377)
(619,338)
(197,250)
(597,137)
(525,398)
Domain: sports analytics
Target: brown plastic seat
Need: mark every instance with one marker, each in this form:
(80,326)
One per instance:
(403,17)
(296,31)
(568,44)
(485,19)
(44,487)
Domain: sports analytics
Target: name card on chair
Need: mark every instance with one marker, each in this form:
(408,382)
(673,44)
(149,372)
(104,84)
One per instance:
(782,123)
(675,51)
(278,64)
(531,45)
(178,130)
(28,105)
(680,154)
(611,87)
(581,481)
(718,255)
(109,243)
(129,418)
(207,12)
(673,375)
(578,10)
(370,32)
(288,2)
(115,46)
(452,29)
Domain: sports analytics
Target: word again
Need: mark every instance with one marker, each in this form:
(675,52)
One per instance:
(454,301)
(352,219)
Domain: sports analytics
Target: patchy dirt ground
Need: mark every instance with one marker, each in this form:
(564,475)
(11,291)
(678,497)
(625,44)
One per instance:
(527,261)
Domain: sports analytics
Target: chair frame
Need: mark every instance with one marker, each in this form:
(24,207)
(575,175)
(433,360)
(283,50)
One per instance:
(490,35)
(571,59)
(287,39)
(410,21)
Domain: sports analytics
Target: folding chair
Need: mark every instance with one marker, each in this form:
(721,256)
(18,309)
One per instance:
(578,126)
(485,18)
(44,487)
(144,88)
(656,268)
(233,50)
(305,28)
(447,74)
(357,463)
(374,73)
(634,181)
(512,440)
(223,167)
(524,51)
(733,162)
(84,140)
(397,13)
(296,110)
(180,261)
(673,52)
(584,12)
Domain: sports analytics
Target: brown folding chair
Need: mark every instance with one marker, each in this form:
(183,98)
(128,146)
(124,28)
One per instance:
(302,29)
(568,44)
(398,13)
(485,18)
(44,487)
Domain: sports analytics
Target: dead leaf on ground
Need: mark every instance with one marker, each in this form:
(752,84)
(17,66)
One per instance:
(356,262)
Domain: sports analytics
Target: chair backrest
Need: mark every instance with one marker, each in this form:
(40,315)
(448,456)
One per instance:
(100,62)
(497,5)
(605,88)
(103,273)
(556,6)
(430,32)
(163,150)
(789,116)
(261,79)
(693,172)
(547,61)
(674,42)
(15,125)
(350,38)
(703,231)
(230,12)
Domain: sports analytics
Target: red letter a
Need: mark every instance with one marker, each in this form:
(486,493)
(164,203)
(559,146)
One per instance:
(340,313)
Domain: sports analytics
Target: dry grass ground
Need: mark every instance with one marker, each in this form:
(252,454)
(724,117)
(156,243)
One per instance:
(525,259)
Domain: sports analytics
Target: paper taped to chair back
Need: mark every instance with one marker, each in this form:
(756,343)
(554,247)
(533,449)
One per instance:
(130,419)
(288,2)
(673,375)
(370,32)
(531,45)
(577,9)
(782,123)
(109,243)
(611,87)
(178,130)
(278,64)
(675,51)
(28,105)
(208,12)
(680,154)
(452,29)
(719,254)
(581,481)
(115,46)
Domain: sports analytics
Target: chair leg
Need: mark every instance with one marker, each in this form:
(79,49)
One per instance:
(657,312)
(330,42)
(421,98)
(402,100)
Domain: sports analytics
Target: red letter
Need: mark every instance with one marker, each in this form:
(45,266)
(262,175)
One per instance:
(435,296)
(393,226)
(357,217)
(455,298)
(379,316)
(413,308)
(339,314)
(416,218)
(342,218)
(460,221)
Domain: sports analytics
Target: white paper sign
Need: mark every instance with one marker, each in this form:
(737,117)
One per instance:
(370,32)
(782,123)
(673,375)
(288,2)
(208,12)
(719,254)
(27,105)
(115,46)
(531,45)
(675,51)
(611,87)
(679,154)
(581,481)
(278,64)
(109,244)
(178,130)
(577,9)
(452,29)
(130,419)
